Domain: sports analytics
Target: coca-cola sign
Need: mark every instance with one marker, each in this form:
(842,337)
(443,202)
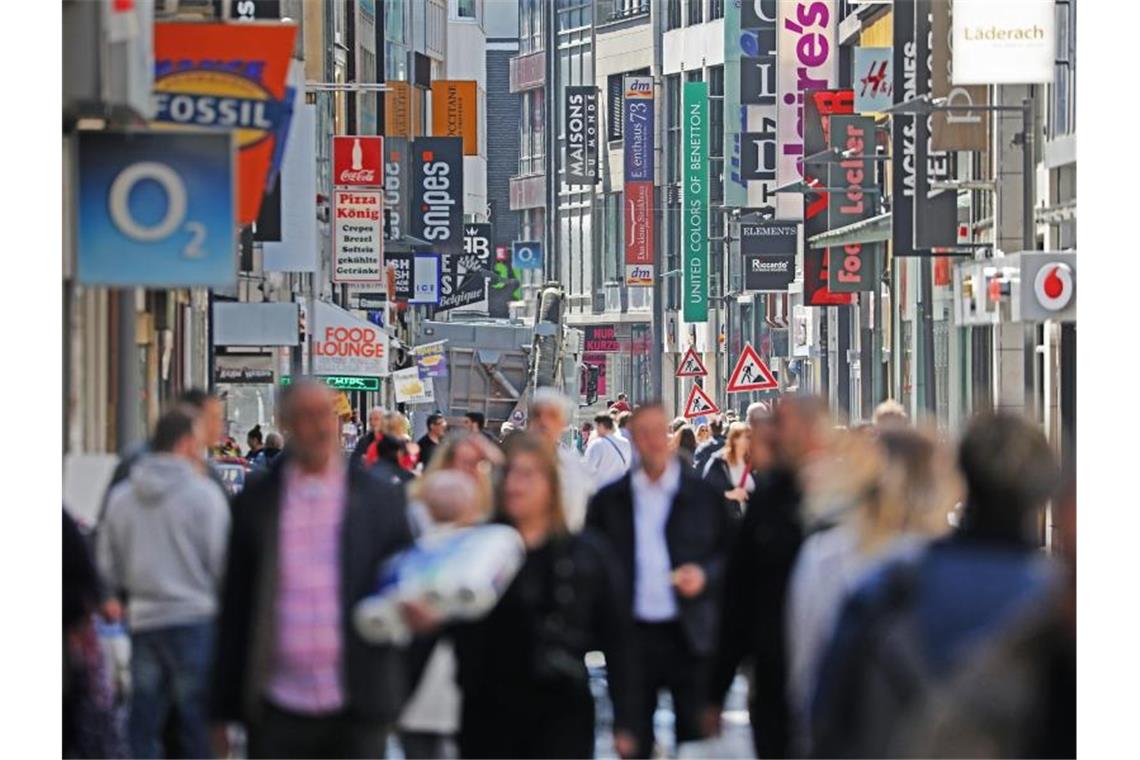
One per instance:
(358,161)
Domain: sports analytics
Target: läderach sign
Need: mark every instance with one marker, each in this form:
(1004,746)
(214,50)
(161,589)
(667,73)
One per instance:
(344,382)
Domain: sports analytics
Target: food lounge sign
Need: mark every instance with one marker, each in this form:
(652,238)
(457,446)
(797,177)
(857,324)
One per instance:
(345,345)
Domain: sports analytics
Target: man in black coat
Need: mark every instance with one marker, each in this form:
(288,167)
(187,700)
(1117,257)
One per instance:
(763,554)
(307,543)
(670,531)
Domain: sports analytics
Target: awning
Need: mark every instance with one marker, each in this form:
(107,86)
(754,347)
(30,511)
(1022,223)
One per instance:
(873,230)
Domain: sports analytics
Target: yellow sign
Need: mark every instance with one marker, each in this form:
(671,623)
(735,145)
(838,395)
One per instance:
(454,112)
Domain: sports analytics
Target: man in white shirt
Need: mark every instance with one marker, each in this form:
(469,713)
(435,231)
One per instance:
(607,454)
(548,417)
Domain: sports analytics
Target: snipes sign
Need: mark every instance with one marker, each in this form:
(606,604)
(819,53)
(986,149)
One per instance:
(437,193)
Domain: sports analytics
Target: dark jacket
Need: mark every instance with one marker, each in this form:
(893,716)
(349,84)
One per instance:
(375,527)
(717,475)
(697,531)
(706,450)
(763,554)
(361,448)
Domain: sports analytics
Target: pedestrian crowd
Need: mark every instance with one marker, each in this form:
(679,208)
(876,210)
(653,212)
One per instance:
(883,591)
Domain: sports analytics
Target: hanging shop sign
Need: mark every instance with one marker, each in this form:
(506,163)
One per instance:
(437,193)
(808,59)
(1048,286)
(1004,43)
(464,278)
(601,339)
(581,127)
(527,255)
(638,179)
(411,388)
(358,230)
(819,107)
(874,79)
(960,128)
(699,403)
(769,251)
(938,209)
(758,89)
(431,358)
(751,373)
(399,267)
(396,190)
(299,248)
(426,275)
(852,267)
(454,112)
(233,77)
(358,161)
(156,209)
(695,214)
(903,133)
(346,345)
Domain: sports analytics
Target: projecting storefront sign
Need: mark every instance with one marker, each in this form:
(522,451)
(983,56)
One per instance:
(1004,42)
(464,279)
(769,251)
(581,111)
(639,177)
(437,192)
(345,345)
(358,249)
(695,214)
(819,107)
(601,340)
(396,154)
(874,80)
(358,161)
(853,267)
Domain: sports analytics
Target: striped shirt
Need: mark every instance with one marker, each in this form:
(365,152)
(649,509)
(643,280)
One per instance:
(306,673)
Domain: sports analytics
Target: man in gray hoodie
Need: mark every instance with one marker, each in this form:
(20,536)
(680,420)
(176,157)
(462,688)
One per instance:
(162,547)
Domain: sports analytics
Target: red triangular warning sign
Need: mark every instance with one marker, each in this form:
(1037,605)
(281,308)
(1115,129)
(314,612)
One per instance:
(699,403)
(751,373)
(691,365)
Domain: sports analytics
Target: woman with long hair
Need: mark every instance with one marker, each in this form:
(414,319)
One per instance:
(730,471)
(521,668)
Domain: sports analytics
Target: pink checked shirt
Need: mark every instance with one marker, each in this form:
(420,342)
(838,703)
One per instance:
(306,673)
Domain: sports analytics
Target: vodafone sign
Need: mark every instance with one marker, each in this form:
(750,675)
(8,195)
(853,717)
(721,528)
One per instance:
(1048,287)
(347,346)
(358,161)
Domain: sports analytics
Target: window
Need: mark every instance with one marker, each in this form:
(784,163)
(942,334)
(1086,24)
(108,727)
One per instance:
(466,9)
(716,9)
(673,15)
(696,12)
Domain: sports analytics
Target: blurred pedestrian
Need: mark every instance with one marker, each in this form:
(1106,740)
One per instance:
(704,434)
(670,531)
(475,457)
(585,435)
(376,419)
(253,441)
(307,544)
(436,429)
(714,444)
(889,413)
(521,669)
(476,422)
(162,548)
(888,492)
(608,454)
(686,443)
(274,443)
(729,472)
(764,551)
(622,404)
(548,418)
(910,627)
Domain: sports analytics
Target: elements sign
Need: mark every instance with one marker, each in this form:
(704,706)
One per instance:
(358,251)
(437,192)
(769,251)
(581,109)
(695,225)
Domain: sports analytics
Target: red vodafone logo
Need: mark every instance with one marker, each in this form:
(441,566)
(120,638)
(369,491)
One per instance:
(358,161)
(1054,286)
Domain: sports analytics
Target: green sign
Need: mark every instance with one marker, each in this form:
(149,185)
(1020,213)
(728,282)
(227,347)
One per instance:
(343,382)
(695,227)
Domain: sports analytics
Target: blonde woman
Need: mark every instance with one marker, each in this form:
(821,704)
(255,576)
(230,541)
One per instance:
(729,470)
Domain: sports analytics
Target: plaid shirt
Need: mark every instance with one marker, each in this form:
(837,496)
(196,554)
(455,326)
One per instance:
(306,674)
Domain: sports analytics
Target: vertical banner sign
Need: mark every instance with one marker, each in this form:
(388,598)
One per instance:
(397,109)
(808,59)
(874,79)
(396,191)
(400,268)
(937,209)
(853,267)
(758,67)
(902,132)
(581,111)
(228,76)
(464,280)
(638,118)
(437,193)
(299,248)
(358,230)
(960,129)
(819,107)
(735,114)
(695,227)
(454,112)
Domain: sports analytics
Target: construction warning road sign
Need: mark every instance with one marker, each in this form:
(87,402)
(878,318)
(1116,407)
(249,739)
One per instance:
(751,373)
(691,365)
(699,403)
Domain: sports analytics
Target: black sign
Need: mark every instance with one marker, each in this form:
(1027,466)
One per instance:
(403,264)
(396,162)
(243,375)
(902,135)
(600,339)
(758,71)
(581,110)
(820,106)
(437,192)
(268,226)
(463,276)
(756,14)
(851,268)
(758,154)
(250,10)
(769,251)
(937,209)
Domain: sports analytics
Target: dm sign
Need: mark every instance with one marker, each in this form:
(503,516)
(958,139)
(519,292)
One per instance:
(155,210)
(232,77)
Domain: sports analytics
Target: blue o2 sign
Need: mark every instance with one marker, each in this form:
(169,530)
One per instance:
(527,254)
(156,209)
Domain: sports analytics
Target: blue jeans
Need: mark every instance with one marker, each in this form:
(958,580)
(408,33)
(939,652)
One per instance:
(170,667)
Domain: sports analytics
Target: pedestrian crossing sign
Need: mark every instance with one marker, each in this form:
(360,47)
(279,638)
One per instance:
(699,403)
(751,373)
(691,365)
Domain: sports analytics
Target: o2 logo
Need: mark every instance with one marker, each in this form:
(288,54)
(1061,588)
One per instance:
(119,206)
